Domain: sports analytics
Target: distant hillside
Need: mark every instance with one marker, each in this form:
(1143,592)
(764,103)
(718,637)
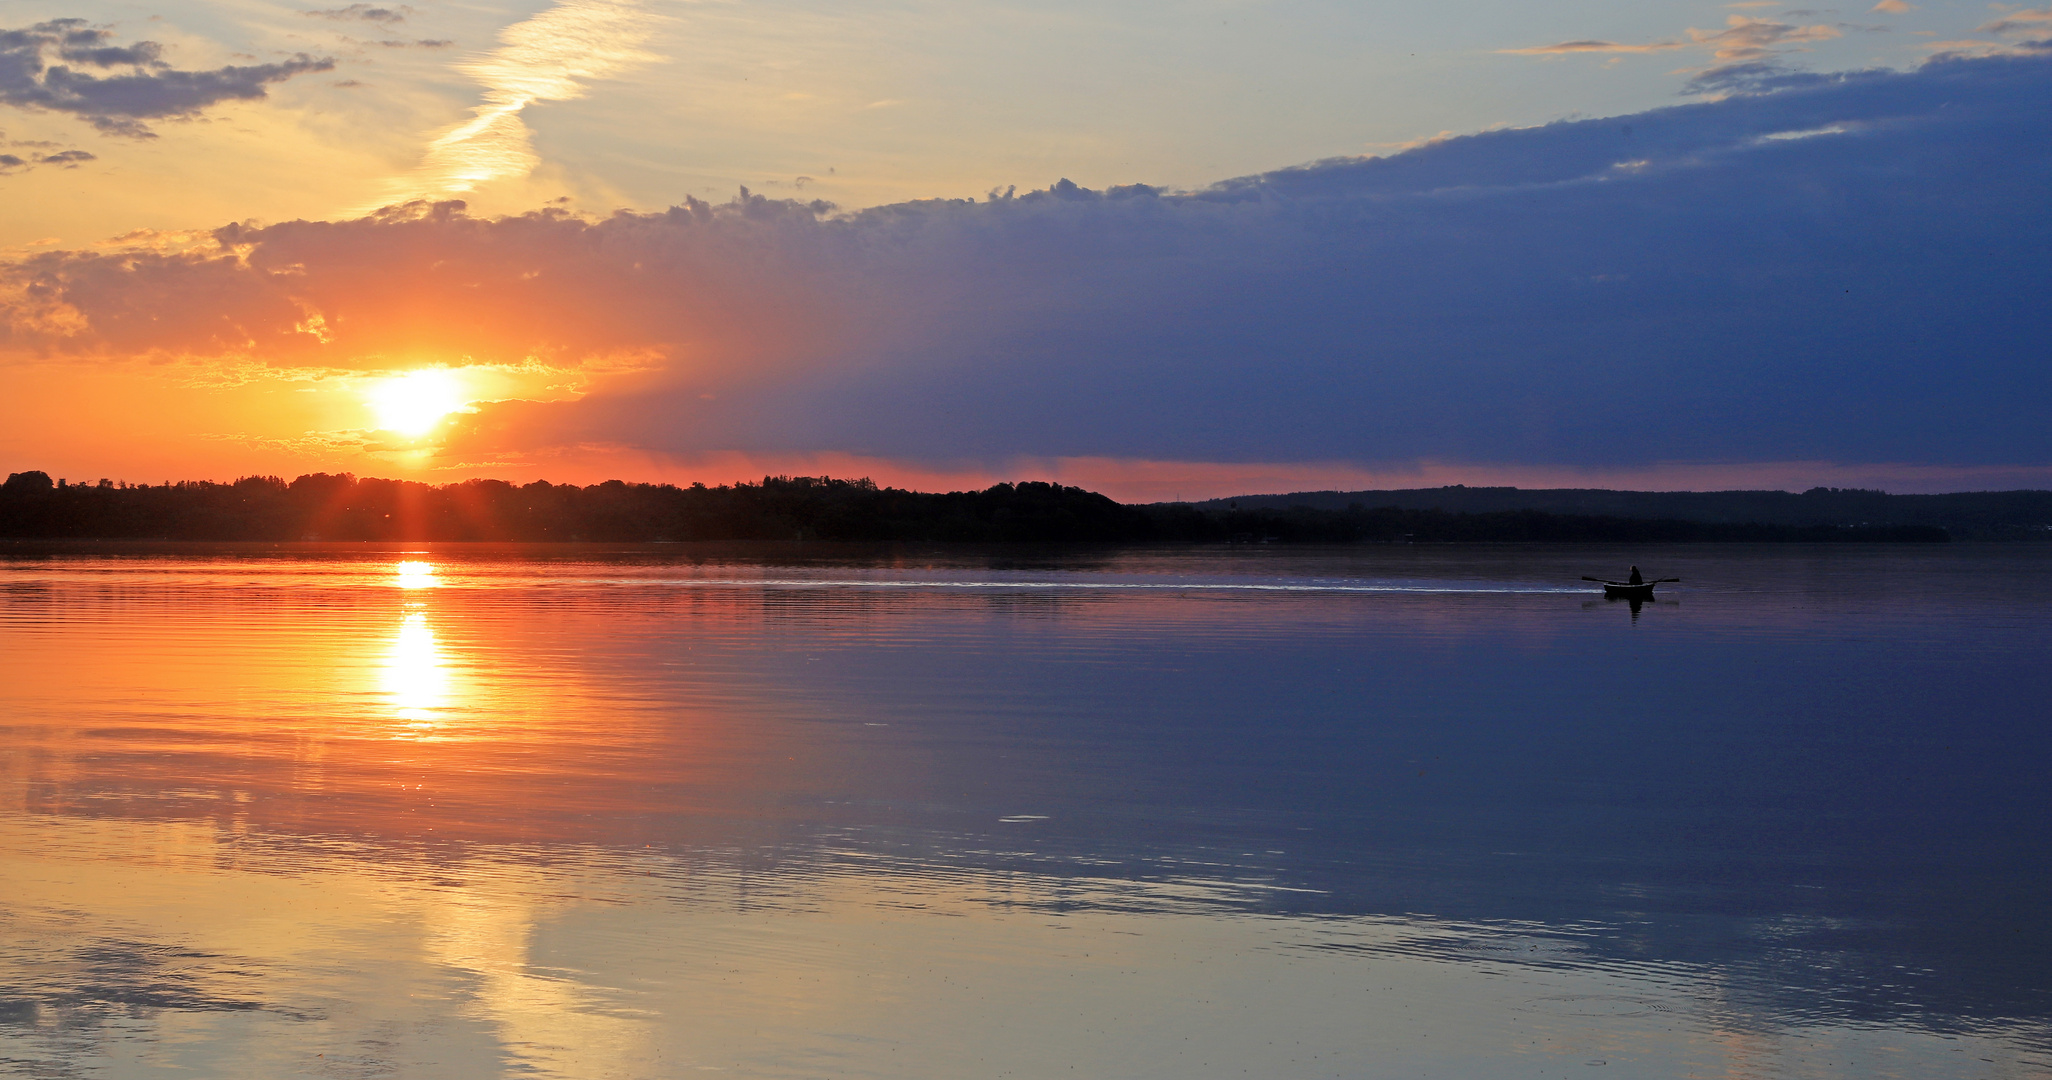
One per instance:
(1978,515)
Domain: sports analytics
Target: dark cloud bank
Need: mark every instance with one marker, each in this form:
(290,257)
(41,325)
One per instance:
(52,66)
(1848,268)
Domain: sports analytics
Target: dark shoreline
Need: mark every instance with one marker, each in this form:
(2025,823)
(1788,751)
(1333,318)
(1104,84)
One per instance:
(323,507)
(1977,515)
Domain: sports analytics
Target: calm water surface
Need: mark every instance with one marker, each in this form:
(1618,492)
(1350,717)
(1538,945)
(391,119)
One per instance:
(477,811)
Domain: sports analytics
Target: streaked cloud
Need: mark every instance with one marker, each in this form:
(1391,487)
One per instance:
(364,13)
(2022,32)
(1749,39)
(117,103)
(69,159)
(553,56)
(1595,46)
(1743,41)
(2021,21)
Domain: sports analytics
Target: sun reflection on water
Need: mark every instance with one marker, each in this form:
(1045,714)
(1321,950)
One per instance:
(416,679)
(415,574)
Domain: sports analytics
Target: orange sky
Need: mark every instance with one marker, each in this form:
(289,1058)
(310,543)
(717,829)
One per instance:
(588,315)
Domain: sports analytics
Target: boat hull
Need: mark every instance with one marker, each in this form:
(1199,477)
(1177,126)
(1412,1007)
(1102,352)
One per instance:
(1629,592)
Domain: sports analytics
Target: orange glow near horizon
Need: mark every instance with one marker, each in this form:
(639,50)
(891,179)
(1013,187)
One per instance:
(413,403)
(154,426)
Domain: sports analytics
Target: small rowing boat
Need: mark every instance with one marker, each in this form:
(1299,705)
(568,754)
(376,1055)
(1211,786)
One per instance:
(1633,588)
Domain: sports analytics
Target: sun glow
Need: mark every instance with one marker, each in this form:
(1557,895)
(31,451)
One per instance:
(413,403)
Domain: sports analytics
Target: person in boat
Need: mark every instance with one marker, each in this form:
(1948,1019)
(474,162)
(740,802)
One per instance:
(1637,584)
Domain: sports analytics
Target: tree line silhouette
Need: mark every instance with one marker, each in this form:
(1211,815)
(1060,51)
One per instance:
(326,506)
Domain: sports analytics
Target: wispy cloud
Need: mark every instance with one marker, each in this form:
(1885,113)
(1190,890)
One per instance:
(69,159)
(2023,32)
(2024,21)
(1893,7)
(364,13)
(1750,39)
(117,103)
(1743,39)
(550,57)
(1594,46)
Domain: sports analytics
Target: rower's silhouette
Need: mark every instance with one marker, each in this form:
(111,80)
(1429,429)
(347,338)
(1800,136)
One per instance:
(1635,601)
(1635,589)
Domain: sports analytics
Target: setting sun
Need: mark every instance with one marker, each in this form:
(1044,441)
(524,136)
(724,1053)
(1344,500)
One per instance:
(413,403)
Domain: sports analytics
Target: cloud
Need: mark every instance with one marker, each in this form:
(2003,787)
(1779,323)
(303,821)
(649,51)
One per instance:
(68,159)
(364,13)
(2032,26)
(1742,39)
(1690,284)
(1749,39)
(2022,21)
(1594,46)
(117,104)
(1753,77)
(1952,50)
(1893,7)
(550,57)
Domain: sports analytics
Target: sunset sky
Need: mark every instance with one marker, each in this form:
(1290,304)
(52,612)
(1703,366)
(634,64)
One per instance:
(1157,249)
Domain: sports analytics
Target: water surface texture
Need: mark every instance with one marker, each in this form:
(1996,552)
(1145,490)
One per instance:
(483,811)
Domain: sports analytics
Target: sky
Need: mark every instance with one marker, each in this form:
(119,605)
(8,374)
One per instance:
(1162,250)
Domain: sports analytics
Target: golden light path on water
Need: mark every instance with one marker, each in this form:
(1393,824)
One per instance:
(398,814)
(416,678)
(415,574)
(414,675)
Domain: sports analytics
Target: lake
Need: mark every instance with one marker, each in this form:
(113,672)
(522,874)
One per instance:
(809,811)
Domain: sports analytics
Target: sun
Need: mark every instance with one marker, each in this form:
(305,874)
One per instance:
(413,403)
